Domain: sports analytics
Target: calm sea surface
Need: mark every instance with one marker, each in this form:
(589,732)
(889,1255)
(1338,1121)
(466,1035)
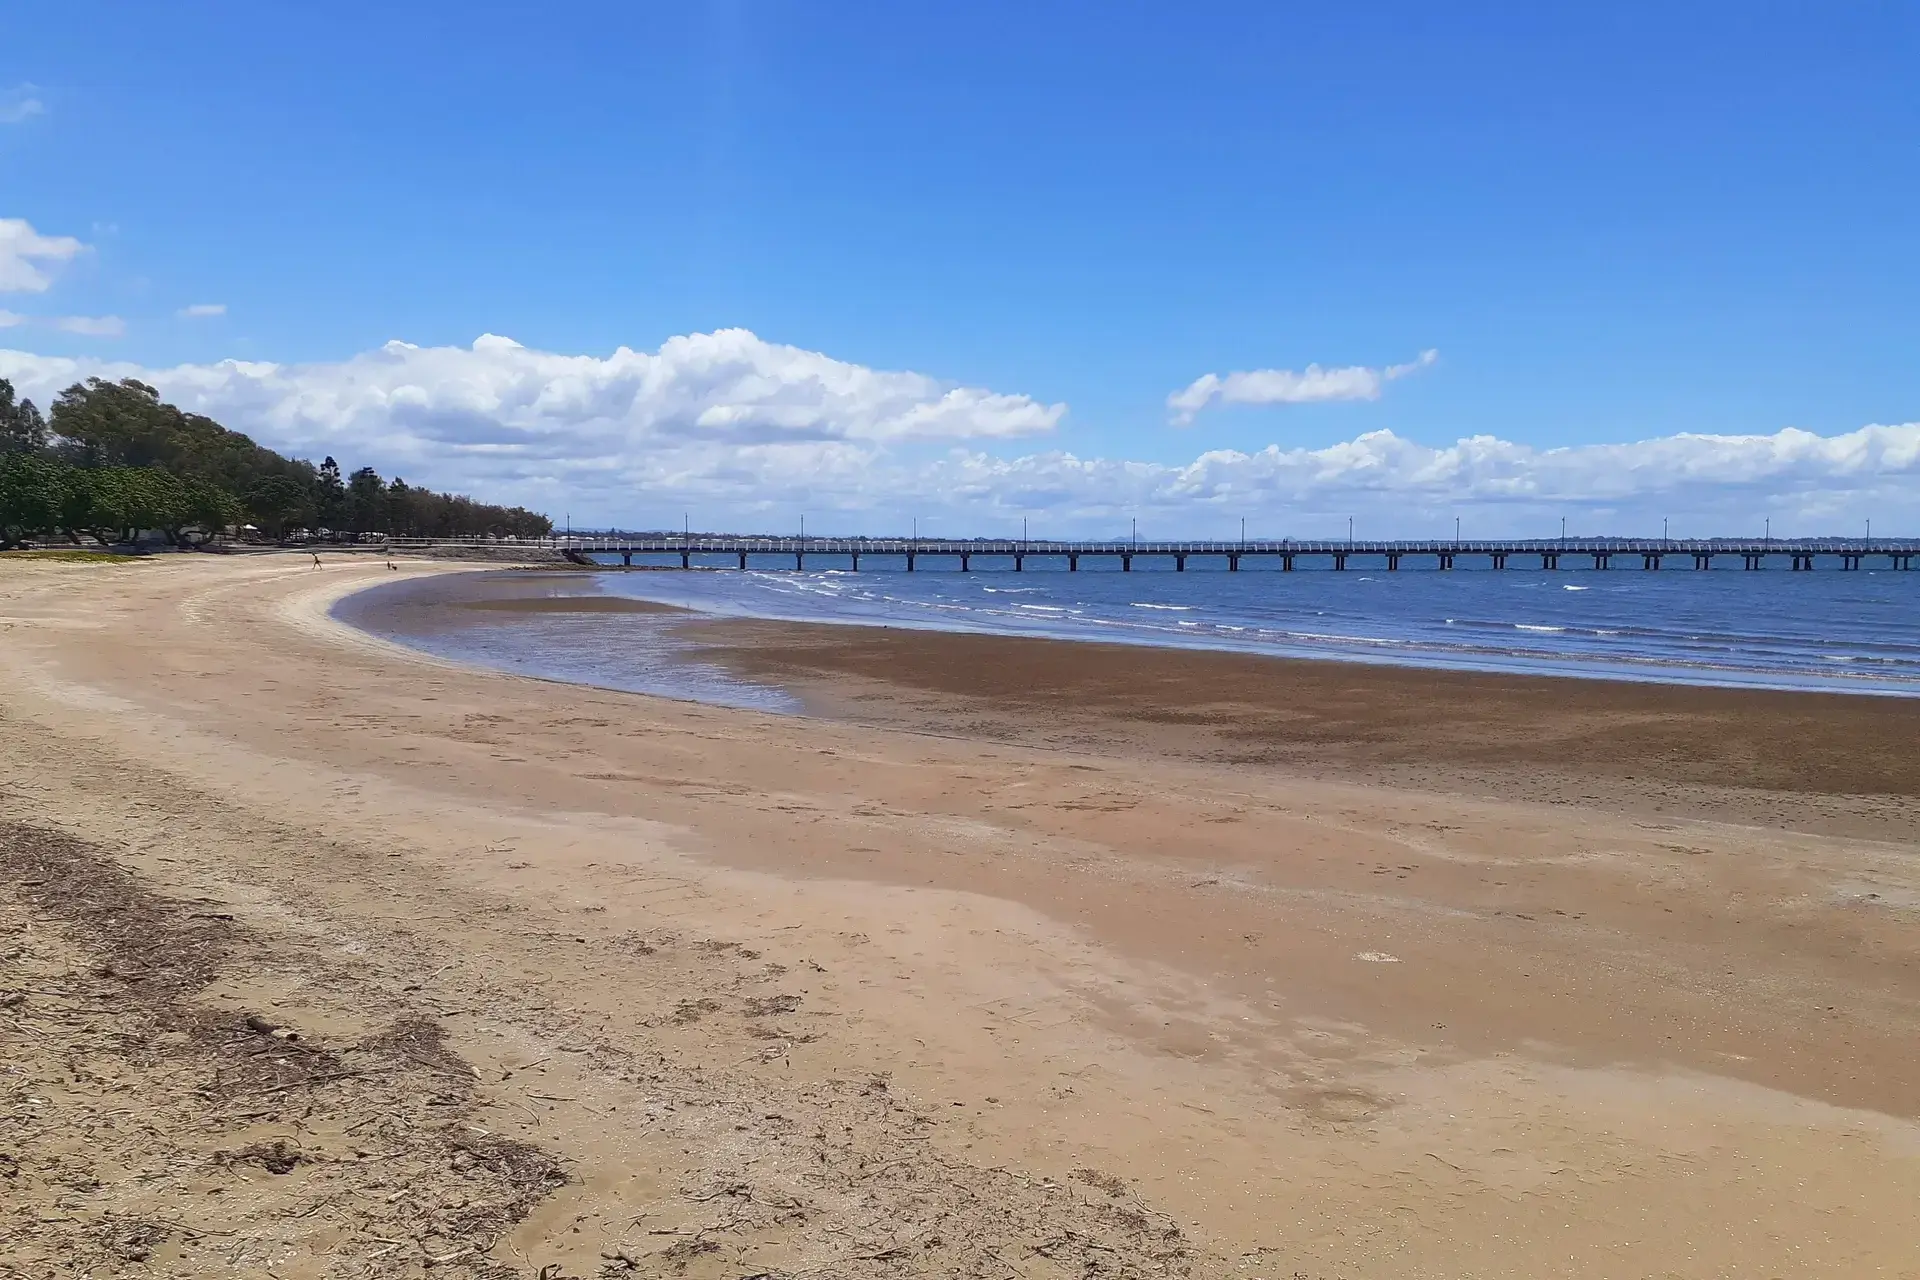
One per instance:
(1855,632)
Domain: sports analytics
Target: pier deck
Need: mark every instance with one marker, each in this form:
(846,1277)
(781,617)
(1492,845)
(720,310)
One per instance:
(1549,553)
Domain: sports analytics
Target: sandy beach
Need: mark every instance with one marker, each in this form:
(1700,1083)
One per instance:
(1014,959)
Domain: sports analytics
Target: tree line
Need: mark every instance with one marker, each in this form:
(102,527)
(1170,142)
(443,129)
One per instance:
(111,460)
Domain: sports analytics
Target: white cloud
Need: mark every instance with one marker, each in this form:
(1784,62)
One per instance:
(90,326)
(500,398)
(1284,386)
(28,259)
(200,310)
(1714,484)
(19,104)
(745,433)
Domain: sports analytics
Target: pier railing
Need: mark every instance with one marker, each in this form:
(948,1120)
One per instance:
(673,543)
(1802,553)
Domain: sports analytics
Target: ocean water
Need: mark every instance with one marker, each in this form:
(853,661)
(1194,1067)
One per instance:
(1847,632)
(458,617)
(1855,632)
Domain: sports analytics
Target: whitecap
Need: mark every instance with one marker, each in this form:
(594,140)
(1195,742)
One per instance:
(1172,608)
(1522,626)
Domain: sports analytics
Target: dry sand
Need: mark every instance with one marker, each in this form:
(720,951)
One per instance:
(332,959)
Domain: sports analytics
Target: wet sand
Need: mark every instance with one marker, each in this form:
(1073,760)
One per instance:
(1000,969)
(1813,761)
(569,604)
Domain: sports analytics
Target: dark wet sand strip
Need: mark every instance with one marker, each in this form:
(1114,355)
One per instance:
(1813,761)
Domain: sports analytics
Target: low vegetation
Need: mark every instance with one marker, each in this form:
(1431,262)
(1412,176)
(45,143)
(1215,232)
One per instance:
(74,556)
(111,460)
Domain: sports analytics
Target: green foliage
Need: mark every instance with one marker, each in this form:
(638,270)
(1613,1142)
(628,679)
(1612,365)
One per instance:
(22,429)
(126,424)
(207,506)
(31,496)
(115,460)
(366,501)
(279,503)
(329,497)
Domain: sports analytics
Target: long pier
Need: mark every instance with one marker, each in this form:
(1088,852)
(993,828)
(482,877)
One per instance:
(1548,553)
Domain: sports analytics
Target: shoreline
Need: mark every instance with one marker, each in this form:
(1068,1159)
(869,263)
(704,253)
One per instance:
(1658,673)
(1320,1024)
(1633,630)
(1806,759)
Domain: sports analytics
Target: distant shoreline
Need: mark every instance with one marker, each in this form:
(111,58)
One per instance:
(1631,631)
(1659,747)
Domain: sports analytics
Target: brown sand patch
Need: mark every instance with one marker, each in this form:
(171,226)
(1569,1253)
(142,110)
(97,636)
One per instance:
(1609,1040)
(1822,760)
(154,1131)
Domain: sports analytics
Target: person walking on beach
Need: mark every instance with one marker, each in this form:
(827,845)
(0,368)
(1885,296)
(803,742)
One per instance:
(316,558)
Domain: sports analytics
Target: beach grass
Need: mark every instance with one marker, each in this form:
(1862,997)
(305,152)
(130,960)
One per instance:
(72,557)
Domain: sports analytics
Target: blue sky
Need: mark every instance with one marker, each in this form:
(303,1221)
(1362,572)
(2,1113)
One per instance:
(1615,225)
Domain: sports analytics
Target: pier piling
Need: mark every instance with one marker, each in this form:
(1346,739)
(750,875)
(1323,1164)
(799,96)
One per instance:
(1802,554)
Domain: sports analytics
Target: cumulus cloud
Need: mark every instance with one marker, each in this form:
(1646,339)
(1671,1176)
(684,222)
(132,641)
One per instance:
(745,433)
(29,259)
(728,387)
(20,104)
(1285,386)
(200,310)
(8,319)
(1712,483)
